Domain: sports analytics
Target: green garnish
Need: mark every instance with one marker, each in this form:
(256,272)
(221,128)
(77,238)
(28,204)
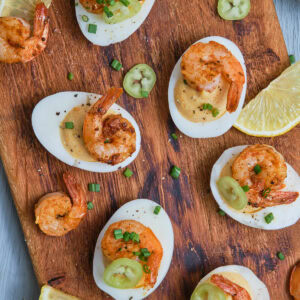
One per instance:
(116,65)
(280,255)
(134,237)
(146,269)
(266,192)
(128,173)
(185,82)
(136,253)
(85,18)
(126,236)
(292,59)
(257,169)
(125,2)
(269,218)
(144,94)
(90,205)
(100,1)
(145,252)
(69,125)
(111,2)
(70,76)
(175,172)
(118,234)
(107,141)
(143,258)
(108,13)
(246,188)
(174,136)
(215,112)
(207,106)
(92,28)
(94,187)
(157,210)
(221,213)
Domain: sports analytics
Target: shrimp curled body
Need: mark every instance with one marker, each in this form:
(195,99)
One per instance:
(114,249)
(109,138)
(230,288)
(16,44)
(265,185)
(56,215)
(205,64)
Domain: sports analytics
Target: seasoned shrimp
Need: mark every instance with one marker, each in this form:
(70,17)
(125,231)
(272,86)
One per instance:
(205,64)
(56,215)
(109,138)
(295,282)
(237,292)
(114,249)
(16,44)
(265,186)
(92,6)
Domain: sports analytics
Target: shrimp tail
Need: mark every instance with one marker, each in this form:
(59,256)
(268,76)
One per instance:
(237,292)
(106,101)
(41,21)
(233,97)
(278,198)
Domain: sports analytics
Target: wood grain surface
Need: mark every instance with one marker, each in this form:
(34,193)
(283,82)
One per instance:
(203,240)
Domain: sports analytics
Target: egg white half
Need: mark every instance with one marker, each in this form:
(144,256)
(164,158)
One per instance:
(111,33)
(140,210)
(206,129)
(284,215)
(46,124)
(258,288)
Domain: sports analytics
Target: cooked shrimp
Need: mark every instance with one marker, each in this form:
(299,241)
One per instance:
(92,6)
(56,215)
(114,249)
(205,64)
(109,138)
(16,45)
(265,186)
(295,282)
(237,292)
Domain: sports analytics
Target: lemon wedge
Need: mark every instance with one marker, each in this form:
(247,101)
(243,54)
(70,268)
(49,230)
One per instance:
(276,109)
(20,8)
(49,293)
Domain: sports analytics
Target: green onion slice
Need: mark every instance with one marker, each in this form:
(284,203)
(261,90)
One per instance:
(157,210)
(94,187)
(257,169)
(108,13)
(128,173)
(118,234)
(280,255)
(175,172)
(92,28)
(116,65)
(90,205)
(246,188)
(269,218)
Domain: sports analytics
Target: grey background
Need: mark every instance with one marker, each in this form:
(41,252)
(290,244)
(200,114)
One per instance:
(17,279)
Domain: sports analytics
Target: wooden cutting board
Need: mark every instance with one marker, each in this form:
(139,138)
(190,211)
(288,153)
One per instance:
(203,239)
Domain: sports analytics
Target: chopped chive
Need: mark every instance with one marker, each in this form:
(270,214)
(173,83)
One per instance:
(157,210)
(185,82)
(108,13)
(118,234)
(136,253)
(92,28)
(125,2)
(134,237)
(292,59)
(246,188)
(94,187)
(257,169)
(280,255)
(69,125)
(209,106)
(143,258)
(146,269)
(85,18)
(266,192)
(144,94)
(204,106)
(126,236)
(116,65)
(175,172)
(70,76)
(128,173)
(221,213)
(215,112)
(90,205)
(107,141)
(269,218)
(174,136)
(145,252)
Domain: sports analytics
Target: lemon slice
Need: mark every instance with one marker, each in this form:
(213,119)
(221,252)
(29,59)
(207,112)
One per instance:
(49,293)
(276,109)
(20,8)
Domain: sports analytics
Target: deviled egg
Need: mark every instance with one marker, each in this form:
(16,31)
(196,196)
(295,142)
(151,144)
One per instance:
(231,282)
(256,187)
(109,22)
(134,250)
(207,88)
(102,141)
